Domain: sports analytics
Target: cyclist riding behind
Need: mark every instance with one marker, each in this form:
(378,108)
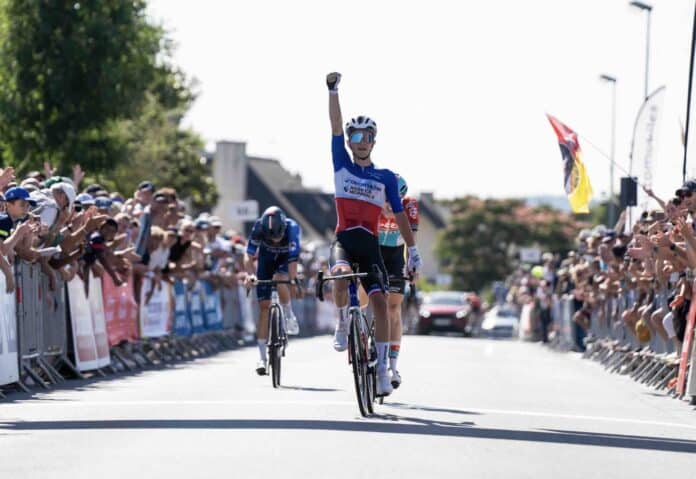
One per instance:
(274,245)
(392,247)
(361,192)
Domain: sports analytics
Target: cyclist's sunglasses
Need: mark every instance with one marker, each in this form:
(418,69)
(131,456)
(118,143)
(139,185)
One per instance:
(684,193)
(359,137)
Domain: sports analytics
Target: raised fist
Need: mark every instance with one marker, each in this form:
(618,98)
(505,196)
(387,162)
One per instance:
(332,81)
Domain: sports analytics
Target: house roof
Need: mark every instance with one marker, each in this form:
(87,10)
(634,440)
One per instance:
(428,208)
(319,209)
(266,182)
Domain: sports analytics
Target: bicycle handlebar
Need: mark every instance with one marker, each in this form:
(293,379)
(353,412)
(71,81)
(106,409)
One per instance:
(321,279)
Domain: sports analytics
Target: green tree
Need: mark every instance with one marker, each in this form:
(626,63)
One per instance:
(95,84)
(166,154)
(68,72)
(480,244)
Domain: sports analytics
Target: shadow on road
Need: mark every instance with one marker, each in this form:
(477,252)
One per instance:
(416,407)
(426,428)
(310,389)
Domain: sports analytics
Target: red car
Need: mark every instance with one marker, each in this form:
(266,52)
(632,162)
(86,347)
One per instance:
(444,311)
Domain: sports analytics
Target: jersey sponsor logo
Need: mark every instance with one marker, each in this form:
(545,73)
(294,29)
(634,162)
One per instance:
(350,186)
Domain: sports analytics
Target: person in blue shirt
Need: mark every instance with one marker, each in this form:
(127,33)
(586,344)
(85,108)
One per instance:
(272,253)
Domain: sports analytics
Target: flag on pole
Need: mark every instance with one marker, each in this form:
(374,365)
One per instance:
(575,180)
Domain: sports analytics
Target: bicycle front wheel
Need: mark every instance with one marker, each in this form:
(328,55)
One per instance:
(359,360)
(275,350)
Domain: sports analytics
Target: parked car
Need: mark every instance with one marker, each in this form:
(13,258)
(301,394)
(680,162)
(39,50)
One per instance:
(444,311)
(502,321)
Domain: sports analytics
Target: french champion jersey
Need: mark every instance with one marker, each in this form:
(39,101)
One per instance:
(361,192)
(389,234)
(290,244)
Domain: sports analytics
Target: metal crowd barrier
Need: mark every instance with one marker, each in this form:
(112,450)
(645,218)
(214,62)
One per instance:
(612,344)
(205,320)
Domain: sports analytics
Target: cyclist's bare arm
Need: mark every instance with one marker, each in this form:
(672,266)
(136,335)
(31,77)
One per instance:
(405,228)
(249,264)
(332,80)
(292,270)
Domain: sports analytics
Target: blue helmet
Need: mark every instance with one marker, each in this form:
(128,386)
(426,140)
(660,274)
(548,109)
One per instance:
(403,187)
(273,223)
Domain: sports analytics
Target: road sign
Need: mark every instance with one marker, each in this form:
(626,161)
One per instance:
(243,210)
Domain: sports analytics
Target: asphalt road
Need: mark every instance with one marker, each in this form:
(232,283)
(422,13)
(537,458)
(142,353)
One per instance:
(467,408)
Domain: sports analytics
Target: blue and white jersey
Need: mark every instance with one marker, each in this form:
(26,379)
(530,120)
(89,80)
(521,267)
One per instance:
(289,245)
(361,192)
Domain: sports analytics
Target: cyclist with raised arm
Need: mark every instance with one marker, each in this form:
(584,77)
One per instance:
(272,253)
(392,247)
(361,192)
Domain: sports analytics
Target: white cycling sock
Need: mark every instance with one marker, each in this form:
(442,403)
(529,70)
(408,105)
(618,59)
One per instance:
(382,356)
(394,348)
(287,310)
(261,343)
(343,317)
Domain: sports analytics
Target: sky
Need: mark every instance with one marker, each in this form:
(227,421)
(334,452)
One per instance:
(459,90)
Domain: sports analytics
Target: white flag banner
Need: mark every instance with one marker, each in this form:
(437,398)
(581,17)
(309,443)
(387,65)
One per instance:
(645,135)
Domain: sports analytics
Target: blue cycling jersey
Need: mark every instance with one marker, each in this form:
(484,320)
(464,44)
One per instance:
(289,244)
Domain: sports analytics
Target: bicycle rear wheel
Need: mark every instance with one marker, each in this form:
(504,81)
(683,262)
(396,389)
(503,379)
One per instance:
(359,361)
(275,350)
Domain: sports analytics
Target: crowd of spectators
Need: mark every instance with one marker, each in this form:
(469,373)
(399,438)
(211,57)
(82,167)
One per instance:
(74,229)
(636,278)
(71,228)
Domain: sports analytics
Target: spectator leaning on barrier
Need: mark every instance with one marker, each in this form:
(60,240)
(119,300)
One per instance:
(639,279)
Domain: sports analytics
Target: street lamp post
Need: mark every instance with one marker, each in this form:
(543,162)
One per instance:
(648,9)
(612,207)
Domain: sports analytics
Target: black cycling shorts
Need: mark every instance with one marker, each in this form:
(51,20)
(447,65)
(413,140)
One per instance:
(361,247)
(393,257)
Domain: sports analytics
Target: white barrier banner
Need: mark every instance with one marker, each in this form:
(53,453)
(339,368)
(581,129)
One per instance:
(96,307)
(9,371)
(86,357)
(155,309)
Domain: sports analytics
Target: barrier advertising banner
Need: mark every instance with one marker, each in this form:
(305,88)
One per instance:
(9,371)
(96,307)
(121,311)
(155,309)
(182,321)
(196,310)
(686,349)
(86,357)
(212,311)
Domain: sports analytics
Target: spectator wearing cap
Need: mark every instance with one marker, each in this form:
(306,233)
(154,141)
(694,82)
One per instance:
(143,197)
(9,237)
(217,245)
(171,216)
(83,202)
(103,204)
(64,195)
(98,255)
(17,203)
(185,254)
(152,216)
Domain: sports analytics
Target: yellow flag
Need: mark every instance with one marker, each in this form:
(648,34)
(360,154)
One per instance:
(575,178)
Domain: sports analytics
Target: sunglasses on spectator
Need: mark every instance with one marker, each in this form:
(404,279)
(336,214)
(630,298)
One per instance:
(684,193)
(359,137)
